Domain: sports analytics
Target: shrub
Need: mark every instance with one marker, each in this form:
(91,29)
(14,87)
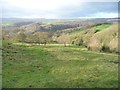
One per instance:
(113,45)
(95,45)
(105,48)
(78,41)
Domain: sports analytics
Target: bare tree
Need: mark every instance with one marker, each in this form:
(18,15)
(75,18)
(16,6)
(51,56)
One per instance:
(64,39)
(21,37)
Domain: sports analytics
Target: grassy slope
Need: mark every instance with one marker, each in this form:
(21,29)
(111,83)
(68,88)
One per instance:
(108,37)
(98,28)
(98,37)
(102,27)
(57,66)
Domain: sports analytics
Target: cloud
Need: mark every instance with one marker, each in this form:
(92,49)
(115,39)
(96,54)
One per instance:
(56,8)
(102,15)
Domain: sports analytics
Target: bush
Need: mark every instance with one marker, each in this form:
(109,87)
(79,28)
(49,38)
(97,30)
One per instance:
(113,45)
(95,45)
(78,42)
(105,48)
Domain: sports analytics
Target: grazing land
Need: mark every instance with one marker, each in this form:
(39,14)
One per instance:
(53,66)
(59,44)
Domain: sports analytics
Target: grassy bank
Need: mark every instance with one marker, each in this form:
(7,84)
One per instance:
(57,66)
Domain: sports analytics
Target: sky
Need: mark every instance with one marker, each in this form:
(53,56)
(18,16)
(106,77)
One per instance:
(58,9)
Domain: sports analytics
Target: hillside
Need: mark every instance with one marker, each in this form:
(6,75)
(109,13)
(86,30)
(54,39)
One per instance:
(59,44)
(86,32)
(55,24)
(39,27)
(99,38)
(43,55)
(53,66)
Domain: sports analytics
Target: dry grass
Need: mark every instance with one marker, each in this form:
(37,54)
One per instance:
(106,38)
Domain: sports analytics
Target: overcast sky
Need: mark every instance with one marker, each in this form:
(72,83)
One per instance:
(57,9)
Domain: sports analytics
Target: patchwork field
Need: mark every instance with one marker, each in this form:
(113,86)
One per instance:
(56,66)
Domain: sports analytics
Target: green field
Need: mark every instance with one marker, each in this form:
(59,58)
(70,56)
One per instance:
(102,27)
(97,28)
(56,66)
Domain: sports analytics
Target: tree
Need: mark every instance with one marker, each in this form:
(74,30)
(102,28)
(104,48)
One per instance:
(64,39)
(46,37)
(21,37)
(42,37)
(9,35)
(30,38)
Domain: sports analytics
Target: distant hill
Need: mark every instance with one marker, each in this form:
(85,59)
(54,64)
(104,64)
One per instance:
(52,25)
(98,34)
(34,27)
(13,21)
